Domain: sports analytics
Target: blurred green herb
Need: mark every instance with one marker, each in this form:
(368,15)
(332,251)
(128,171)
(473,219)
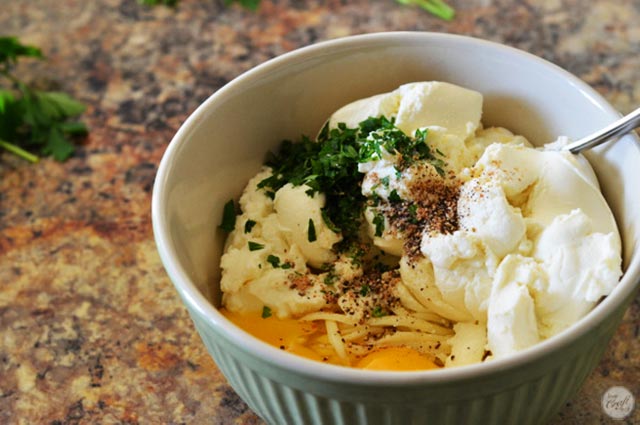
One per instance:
(436,7)
(30,119)
(249,4)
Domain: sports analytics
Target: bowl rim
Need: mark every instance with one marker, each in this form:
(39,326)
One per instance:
(199,304)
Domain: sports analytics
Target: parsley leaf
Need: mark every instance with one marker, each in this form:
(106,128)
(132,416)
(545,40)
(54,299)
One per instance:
(266,312)
(311,232)
(11,49)
(378,221)
(378,312)
(255,246)
(327,220)
(248,226)
(331,277)
(274,261)
(394,197)
(413,213)
(34,120)
(228,216)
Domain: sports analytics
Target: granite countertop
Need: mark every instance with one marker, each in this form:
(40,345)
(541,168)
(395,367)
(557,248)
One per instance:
(91,329)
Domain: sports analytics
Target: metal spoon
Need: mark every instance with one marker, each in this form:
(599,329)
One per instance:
(618,128)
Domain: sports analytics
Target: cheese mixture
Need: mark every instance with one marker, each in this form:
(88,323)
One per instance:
(416,238)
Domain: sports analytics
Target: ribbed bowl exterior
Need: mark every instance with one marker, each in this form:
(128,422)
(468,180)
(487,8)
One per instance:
(281,399)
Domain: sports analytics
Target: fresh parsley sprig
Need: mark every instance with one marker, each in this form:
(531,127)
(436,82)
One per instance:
(30,119)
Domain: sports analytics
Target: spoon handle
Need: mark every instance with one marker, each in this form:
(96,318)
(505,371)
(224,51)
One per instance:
(618,128)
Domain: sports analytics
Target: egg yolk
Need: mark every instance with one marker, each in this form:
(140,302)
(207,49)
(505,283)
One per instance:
(291,335)
(286,334)
(395,358)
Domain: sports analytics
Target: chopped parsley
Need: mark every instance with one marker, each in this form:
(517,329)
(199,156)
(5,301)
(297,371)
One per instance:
(329,165)
(331,277)
(228,216)
(420,151)
(413,212)
(394,140)
(356,254)
(378,311)
(266,312)
(248,226)
(311,232)
(378,221)
(274,261)
(365,290)
(394,197)
(327,220)
(255,246)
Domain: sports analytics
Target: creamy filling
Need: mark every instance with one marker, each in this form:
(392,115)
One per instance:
(504,243)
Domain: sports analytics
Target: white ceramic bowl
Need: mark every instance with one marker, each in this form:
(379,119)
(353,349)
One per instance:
(224,143)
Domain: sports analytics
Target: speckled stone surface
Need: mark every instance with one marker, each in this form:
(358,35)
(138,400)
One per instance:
(91,329)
